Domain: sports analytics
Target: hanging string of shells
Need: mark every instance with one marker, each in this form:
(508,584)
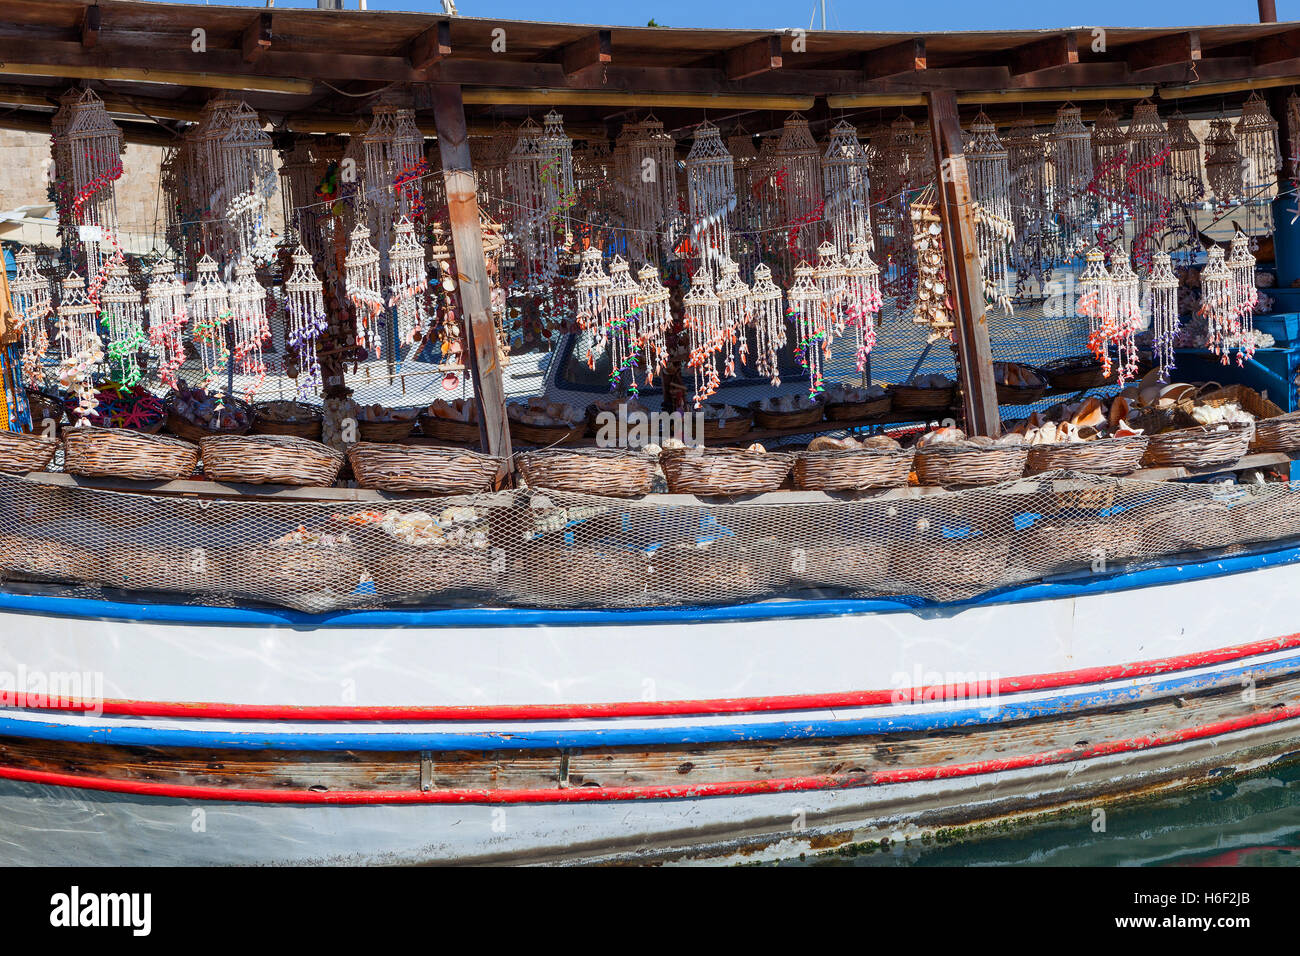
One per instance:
(988,162)
(30,292)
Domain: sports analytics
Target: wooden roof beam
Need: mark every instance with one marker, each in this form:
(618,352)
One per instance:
(1277,49)
(429,47)
(1045,54)
(592,51)
(257,38)
(91,21)
(758,56)
(897,60)
(1172,50)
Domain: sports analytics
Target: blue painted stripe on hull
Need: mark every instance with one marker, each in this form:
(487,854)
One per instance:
(1091,584)
(993,713)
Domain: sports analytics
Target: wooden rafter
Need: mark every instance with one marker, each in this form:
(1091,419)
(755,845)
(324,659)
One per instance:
(257,38)
(1045,54)
(751,59)
(1277,49)
(91,22)
(595,50)
(1176,48)
(429,47)
(897,60)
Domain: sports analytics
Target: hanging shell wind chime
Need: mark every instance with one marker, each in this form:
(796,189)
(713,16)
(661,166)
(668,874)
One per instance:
(1185,181)
(1094,303)
(846,186)
(590,287)
(1032,253)
(862,298)
(1244,295)
(209,311)
(703,322)
(1223,331)
(812,329)
(409,272)
(1261,159)
(799,183)
(94,150)
(30,291)
(733,304)
(248,178)
(988,162)
(652,166)
(711,191)
(165,300)
(1147,181)
(395,172)
(933,301)
(251,329)
(1223,163)
(1070,150)
(831,279)
(1164,312)
(1126,308)
(364,289)
(305,308)
(123,318)
(623,319)
(768,316)
(656,320)
(80,348)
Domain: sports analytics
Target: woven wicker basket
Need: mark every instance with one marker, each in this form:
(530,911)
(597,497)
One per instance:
(948,569)
(859,411)
(857,567)
(122,453)
(1179,528)
(45,560)
(270,459)
(21,452)
(852,469)
(732,429)
(724,471)
(613,473)
(307,577)
(270,419)
(182,427)
(1198,446)
(718,573)
(804,416)
(1049,547)
(1105,456)
(550,575)
(1078,372)
(44,406)
(444,429)
(405,572)
(544,436)
(133,567)
(429,468)
(961,465)
(1019,395)
(385,432)
(909,398)
(1280,434)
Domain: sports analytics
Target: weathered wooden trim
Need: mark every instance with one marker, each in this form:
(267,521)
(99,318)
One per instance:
(1175,49)
(91,22)
(956,210)
(471,264)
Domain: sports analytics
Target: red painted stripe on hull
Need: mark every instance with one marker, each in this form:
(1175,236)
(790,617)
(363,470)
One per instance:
(685,791)
(740,705)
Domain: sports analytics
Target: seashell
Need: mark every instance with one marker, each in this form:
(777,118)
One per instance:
(935,229)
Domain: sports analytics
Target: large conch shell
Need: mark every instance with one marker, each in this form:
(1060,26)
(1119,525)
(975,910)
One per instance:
(1089,413)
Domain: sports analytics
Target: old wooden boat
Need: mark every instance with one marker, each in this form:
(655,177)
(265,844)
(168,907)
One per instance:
(232,735)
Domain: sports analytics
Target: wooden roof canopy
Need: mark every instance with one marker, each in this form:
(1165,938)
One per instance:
(310,70)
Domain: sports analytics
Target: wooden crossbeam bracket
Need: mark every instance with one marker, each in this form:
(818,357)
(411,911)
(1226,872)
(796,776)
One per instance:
(758,56)
(90,26)
(257,38)
(1045,54)
(593,50)
(432,45)
(1164,51)
(1276,49)
(897,60)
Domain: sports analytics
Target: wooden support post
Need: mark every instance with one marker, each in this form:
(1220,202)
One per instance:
(91,22)
(256,39)
(956,209)
(471,270)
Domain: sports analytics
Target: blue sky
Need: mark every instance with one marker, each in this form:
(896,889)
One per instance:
(931,15)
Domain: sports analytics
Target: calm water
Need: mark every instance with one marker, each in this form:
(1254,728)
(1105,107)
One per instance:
(1254,821)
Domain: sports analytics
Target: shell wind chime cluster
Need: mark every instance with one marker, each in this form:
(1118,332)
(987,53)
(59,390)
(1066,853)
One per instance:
(990,182)
(933,296)
(1111,301)
(31,301)
(1228,299)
